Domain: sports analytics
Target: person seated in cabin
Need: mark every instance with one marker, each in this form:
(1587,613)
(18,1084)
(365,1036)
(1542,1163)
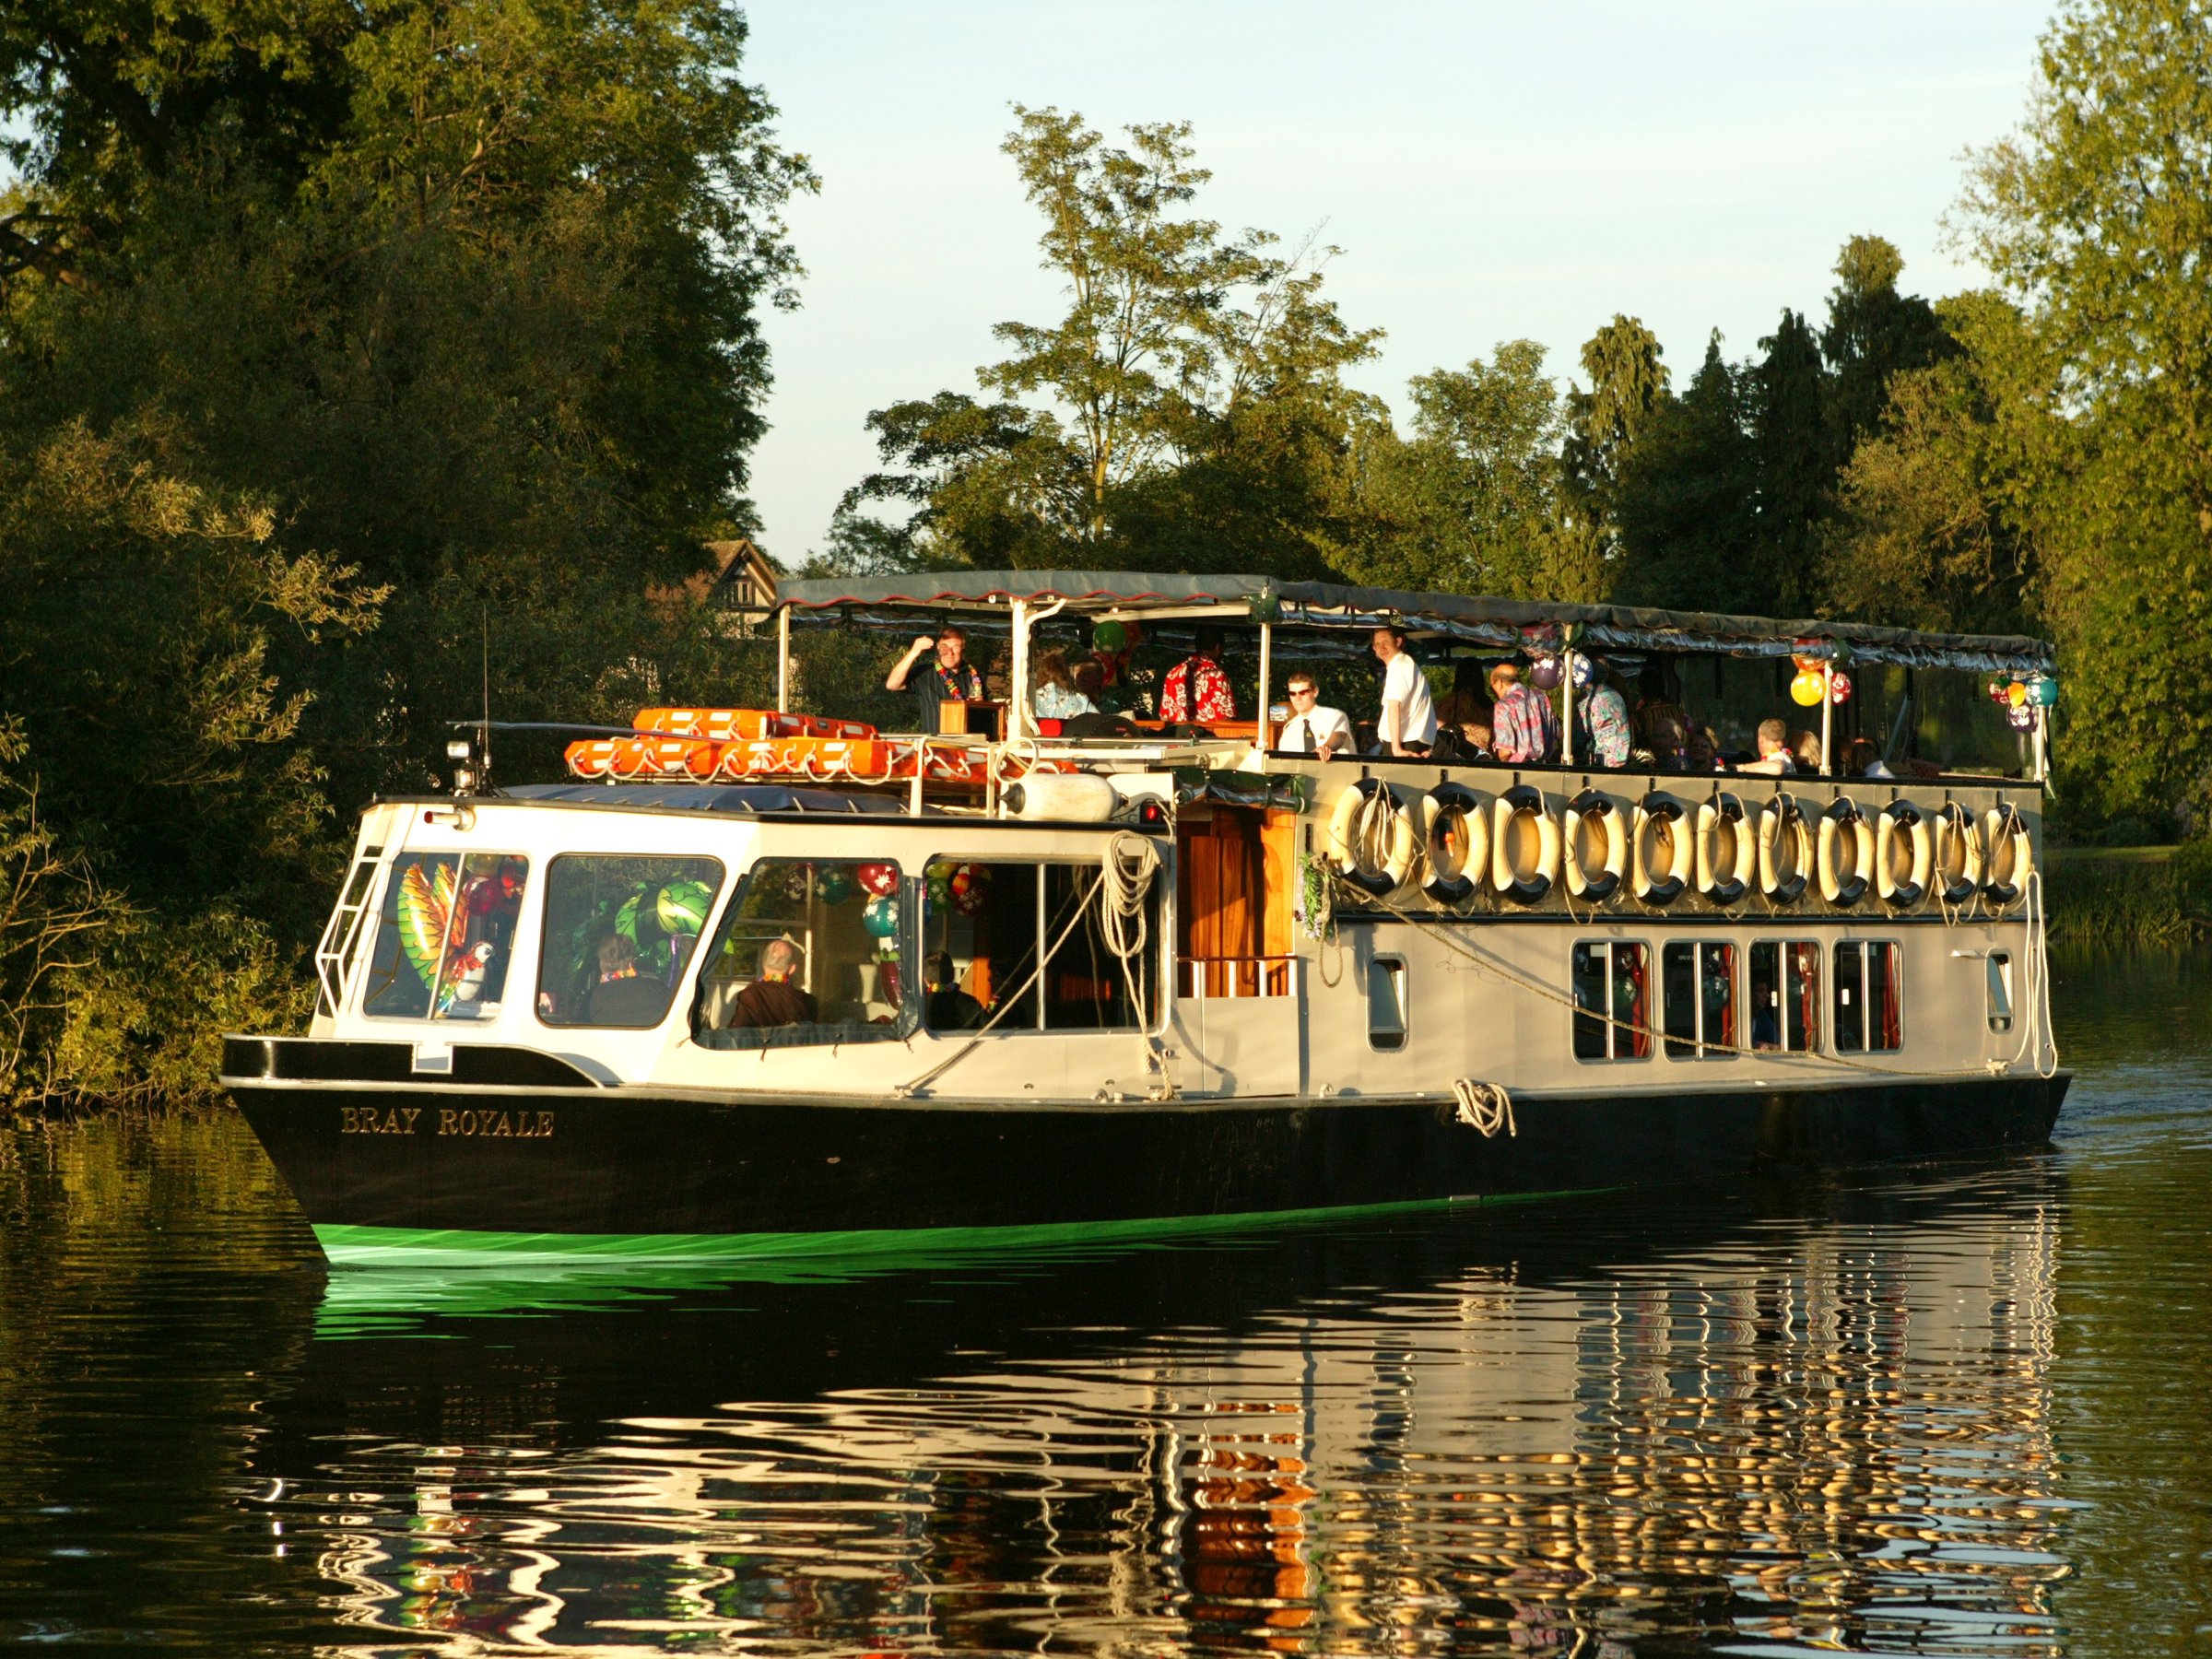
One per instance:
(1526,732)
(1862,760)
(1704,752)
(949,677)
(948,1007)
(1662,731)
(1407,722)
(1464,707)
(1052,694)
(1804,750)
(1773,751)
(623,996)
(773,999)
(1602,714)
(1313,728)
(1197,690)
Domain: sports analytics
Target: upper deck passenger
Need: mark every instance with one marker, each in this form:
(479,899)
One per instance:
(1527,731)
(1196,690)
(1408,724)
(950,678)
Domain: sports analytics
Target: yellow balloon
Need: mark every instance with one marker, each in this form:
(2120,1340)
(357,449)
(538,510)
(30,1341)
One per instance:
(1805,689)
(2018,694)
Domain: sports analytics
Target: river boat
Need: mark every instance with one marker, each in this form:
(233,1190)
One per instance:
(760,982)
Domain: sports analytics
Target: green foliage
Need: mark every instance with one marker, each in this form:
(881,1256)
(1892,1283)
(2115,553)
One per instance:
(329,335)
(1687,502)
(1628,388)
(1186,410)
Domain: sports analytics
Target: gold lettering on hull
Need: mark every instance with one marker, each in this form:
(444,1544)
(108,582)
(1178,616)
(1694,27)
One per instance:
(483,1122)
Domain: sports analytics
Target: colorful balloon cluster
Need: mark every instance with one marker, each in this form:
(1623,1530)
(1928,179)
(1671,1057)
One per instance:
(2021,698)
(959,886)
(1804,689)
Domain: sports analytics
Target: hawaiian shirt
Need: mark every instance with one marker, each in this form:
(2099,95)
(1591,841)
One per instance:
(1604,721)
(1214,700)
(1525,730)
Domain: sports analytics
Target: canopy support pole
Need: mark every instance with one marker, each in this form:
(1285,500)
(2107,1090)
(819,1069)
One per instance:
(1263,734)
(783,659)
(1828,718)
(2043,745)
(1566,704)
(1017,694)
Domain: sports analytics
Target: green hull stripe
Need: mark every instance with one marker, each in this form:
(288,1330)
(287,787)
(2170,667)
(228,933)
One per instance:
(410,1246)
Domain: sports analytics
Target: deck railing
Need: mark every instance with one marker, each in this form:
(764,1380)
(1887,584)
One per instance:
(1257,976)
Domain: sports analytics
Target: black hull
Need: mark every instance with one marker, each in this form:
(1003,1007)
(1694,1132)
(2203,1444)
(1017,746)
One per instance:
(613,1163)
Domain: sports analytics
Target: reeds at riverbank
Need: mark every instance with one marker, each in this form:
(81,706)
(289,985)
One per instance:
(2122,896)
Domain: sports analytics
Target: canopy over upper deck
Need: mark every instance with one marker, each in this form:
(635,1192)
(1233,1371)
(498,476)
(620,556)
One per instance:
(890,602)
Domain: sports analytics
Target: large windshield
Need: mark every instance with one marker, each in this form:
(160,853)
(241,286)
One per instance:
(444,935)
(621,929)
(813,950)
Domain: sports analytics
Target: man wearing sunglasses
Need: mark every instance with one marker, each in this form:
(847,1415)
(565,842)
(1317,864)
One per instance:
(1312,729)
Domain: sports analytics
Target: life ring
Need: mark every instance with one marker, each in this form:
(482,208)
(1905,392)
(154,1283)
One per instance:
(2007,847)
(1344,827)
(1903,819)
(1725,883)
(1663,884)
(1516,817)
(1453,812)
(1841,823)
(1592,811)
(1958,854)
(1785,850)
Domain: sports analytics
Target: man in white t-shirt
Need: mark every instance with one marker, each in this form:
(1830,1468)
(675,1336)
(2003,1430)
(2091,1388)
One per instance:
(1312,729)
(1407,725)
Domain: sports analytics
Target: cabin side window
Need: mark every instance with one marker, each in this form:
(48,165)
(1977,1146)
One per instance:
(1999,981)
(620,931)
(1698,985)
(987,927)
(1869,1010)
(810,951)
(445,932)
(1785,996)
(1612,1000)
(1386,1002)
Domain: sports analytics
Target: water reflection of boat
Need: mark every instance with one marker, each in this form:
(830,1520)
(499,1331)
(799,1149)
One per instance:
(776,980)
(1731,1421)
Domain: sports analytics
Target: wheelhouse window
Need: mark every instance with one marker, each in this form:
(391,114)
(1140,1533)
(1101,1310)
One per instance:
(621,931)
(1699,984)
(1612,1000)
(444,935)
(1869,1009)
(811,951)
(1785,996)
(987,927)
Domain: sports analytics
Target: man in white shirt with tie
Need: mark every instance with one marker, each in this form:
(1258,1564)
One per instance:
(1312,729)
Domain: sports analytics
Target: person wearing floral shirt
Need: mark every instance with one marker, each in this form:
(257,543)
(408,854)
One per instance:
(1603,714)
(1524,729)
(1197,690)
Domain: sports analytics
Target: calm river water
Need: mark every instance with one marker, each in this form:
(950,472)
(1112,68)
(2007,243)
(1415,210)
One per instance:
(1961,1409)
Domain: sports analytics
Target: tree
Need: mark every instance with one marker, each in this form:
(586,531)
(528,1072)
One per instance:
(2097,218)
(1688,500)
(1187,407)
(1470,502)
(1873,333)
(1627,387)
(1792,459)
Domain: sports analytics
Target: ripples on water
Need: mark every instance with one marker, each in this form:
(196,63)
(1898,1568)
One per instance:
(1952,1411)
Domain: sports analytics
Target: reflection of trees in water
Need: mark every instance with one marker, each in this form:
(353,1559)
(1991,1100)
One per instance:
(1833,1434)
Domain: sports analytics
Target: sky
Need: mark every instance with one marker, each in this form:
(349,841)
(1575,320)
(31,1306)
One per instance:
(1491,172)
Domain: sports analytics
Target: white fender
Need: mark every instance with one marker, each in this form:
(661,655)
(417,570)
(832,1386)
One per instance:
(1902,820)
(1726,882)
(1592,811)
(1452,812)
(1846,844)
(1662,882)
(1522,876)
(2011,856)
(1786,850)
(1958,854)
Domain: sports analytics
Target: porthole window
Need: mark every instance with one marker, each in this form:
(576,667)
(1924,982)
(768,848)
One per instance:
(1999,983)
(1386,1003)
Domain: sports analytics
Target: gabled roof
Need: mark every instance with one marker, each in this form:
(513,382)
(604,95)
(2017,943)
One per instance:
(1506,623)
